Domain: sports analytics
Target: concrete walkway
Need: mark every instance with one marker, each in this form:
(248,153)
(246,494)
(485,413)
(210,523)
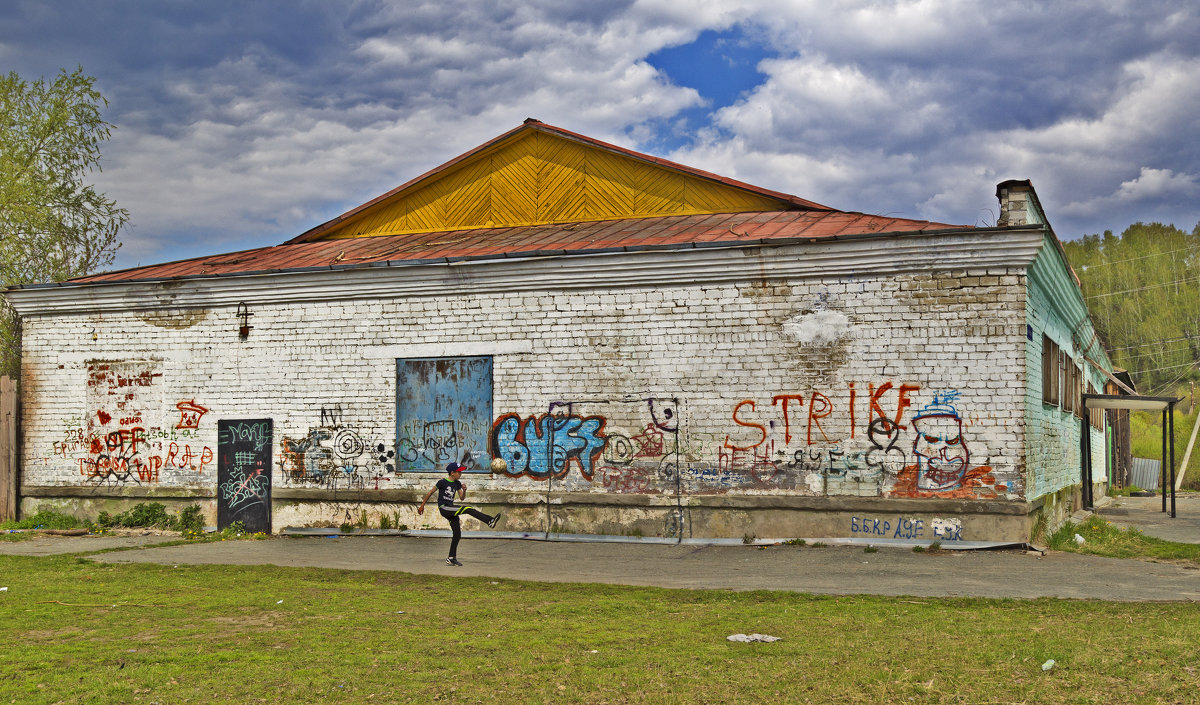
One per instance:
(838,570)
(1146,515)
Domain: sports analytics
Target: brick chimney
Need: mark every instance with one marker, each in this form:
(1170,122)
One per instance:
(1018,204)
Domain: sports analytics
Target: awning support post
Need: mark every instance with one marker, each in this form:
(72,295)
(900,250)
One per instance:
(1171,435)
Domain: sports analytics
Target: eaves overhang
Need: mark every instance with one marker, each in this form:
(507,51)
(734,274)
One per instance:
(846,256)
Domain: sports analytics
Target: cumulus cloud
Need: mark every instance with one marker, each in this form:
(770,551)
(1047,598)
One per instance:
(1157,183)
(247,150)
(244,124)
(926,127)
(1151,187)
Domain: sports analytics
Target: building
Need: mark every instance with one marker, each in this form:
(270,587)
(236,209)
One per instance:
(614,343)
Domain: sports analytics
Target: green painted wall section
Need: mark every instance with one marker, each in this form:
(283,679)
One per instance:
(1055,307)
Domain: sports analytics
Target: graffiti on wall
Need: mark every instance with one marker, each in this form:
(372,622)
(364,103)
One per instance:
(620,446)
(441,441)
(941,450)
(549,445)
(814,444)
(189,414)
(902,527)
(790,445)
(876,439)
(119,442)
(635,463)
(335,454)
(244,473)
(884,441)
(811,415)
(943,460)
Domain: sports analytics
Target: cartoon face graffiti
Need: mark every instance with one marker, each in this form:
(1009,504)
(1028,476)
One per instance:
(441,442)
(942,456)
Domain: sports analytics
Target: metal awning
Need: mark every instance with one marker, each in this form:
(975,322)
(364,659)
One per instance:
(1130,403)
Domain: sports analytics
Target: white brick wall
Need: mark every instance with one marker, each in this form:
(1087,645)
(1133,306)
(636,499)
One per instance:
(713,347)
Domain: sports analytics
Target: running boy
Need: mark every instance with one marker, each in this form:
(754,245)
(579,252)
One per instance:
(448,489)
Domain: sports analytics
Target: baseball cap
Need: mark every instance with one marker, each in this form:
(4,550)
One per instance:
(454,467)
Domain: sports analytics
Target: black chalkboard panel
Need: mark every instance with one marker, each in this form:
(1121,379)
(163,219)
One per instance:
(244,474)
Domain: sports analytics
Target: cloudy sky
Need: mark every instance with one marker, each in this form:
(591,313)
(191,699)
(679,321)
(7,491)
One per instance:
(240,124)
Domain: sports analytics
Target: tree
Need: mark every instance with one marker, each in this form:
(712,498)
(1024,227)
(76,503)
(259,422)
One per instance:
(1141,289)
(53,225)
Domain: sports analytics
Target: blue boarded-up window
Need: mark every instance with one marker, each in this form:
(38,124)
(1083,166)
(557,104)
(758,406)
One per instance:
(443,413)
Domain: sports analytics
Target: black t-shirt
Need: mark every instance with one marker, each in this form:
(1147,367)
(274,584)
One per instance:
(447,491)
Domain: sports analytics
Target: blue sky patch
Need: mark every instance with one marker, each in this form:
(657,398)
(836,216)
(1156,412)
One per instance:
(721,65)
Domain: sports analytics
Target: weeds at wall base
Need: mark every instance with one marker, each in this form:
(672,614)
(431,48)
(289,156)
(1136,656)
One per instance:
(146,515)
(1040,528)
(1128,491)
(1102,538)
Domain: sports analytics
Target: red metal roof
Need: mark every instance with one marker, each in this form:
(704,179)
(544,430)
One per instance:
(667,232)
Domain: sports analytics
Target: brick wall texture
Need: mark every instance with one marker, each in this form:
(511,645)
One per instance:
(907,386)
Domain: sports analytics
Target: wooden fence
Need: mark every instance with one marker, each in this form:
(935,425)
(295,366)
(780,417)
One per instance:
(8,449)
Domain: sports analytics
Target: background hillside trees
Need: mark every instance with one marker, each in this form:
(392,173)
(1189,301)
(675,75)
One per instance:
(1143,291)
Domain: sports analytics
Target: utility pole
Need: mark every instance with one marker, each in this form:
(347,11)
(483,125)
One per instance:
(1187,455)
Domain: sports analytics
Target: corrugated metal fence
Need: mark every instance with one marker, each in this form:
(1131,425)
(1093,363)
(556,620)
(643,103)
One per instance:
(1144,473)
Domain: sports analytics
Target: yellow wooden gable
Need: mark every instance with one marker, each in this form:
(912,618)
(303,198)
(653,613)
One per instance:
(537,175)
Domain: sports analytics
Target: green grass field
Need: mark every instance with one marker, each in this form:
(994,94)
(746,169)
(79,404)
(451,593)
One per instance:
(74,631)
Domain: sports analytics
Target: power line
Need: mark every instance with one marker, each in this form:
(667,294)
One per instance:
(1177,378)
(1144,288)
(1159,347)
(1154,342)
(1168,367)
(1134,259)
(1163,353)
